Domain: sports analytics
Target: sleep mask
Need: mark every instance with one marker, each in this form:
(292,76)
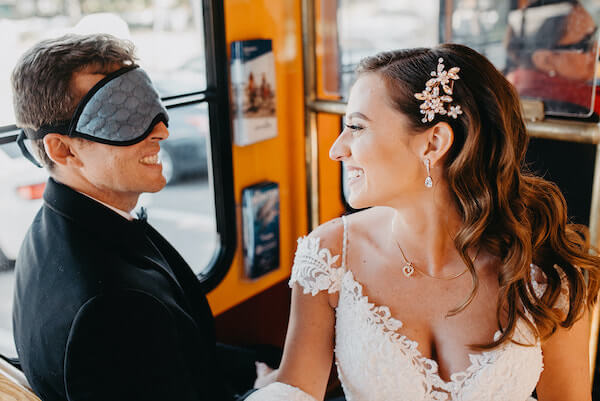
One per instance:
(121,110)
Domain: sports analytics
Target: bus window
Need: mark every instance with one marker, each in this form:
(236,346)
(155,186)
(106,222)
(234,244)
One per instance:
(184,211)
(171,44)
(367,27)
(547,49)
(22,185)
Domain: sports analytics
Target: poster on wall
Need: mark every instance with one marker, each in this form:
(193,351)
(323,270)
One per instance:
(260,215)
(253,91)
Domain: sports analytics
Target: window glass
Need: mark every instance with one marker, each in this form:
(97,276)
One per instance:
(183,212)
(547,49)
(7,345)
(482,25)
(21,187)
(168,35)
(367,27)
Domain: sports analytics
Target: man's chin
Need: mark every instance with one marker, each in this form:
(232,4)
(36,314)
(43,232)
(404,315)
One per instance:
(156,187)
(159,187)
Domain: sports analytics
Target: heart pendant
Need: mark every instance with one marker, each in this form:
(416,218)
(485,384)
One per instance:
(408,270)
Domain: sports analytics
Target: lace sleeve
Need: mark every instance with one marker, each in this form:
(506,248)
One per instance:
(538,280)
(279,392)
(314,268)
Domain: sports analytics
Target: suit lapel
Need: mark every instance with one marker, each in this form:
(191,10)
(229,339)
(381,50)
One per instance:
(130,237)
(145,253)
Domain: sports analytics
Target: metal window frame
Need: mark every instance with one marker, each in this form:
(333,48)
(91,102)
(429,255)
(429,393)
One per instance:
(220,143)
(563,130)
(216,95)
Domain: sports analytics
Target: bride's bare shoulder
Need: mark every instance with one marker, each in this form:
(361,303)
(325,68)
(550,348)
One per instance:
(366,223)
(330,235)
(361,224)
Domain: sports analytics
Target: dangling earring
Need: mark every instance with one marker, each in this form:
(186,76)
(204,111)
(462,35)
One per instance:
(428,180)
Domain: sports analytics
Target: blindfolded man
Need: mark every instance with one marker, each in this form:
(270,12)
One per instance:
(105,308)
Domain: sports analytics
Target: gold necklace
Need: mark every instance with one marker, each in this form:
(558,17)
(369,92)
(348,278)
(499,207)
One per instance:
(409,268)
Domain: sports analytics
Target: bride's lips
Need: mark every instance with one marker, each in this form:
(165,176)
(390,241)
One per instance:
(353,173)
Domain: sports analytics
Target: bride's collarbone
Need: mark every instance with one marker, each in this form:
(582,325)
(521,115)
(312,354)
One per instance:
(425,318)
(423,305)
(439,337)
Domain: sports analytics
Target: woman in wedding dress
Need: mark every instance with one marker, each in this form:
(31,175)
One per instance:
(463,279)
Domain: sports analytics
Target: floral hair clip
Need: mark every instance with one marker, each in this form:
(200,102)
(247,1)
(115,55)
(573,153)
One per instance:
(432,101)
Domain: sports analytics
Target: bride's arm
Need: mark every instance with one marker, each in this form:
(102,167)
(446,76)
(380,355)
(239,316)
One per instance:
(566,374)
(306,363)
(308,351)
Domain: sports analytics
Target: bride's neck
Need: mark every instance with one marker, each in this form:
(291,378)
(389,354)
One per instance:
(426,230)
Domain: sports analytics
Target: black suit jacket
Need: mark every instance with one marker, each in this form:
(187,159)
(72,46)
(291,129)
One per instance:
(106,309)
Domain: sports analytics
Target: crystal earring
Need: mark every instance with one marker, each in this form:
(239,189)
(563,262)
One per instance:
(428,180)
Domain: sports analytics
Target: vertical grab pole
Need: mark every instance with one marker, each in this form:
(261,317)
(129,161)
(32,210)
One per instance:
(310,116)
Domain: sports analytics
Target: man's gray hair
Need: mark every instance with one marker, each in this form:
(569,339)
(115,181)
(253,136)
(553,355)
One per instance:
(41,80)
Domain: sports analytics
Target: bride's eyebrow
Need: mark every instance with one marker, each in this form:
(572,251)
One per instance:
(359,115)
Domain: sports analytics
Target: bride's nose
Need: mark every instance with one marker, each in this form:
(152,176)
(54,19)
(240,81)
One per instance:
(339,150)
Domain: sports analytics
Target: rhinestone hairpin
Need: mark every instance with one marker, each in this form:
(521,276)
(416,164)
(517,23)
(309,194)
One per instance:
(432,101)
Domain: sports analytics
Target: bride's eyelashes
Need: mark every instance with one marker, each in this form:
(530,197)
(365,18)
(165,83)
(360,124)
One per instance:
(354,128)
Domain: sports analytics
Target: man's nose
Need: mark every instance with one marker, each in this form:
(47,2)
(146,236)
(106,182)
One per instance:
(159,132)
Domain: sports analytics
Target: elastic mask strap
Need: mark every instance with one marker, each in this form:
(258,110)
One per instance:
(21,142)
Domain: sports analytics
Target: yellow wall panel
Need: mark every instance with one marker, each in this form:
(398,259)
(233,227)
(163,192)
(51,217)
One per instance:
(280,159)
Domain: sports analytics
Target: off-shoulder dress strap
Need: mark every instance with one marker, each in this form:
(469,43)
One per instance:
(315,268)
(345,243)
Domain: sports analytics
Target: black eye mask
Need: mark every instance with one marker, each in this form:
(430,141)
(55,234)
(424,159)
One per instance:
(121,110)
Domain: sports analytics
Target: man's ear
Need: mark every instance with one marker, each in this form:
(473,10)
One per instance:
(59,149)
(439,141)
(542,60)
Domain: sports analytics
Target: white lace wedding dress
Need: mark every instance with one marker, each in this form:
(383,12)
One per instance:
(376,363)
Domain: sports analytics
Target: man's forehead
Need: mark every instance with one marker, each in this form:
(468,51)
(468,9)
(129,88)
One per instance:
(85,78)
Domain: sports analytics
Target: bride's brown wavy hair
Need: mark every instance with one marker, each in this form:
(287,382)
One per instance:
(505,209)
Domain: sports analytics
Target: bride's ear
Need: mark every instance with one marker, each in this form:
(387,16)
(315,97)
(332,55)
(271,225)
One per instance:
(439,140)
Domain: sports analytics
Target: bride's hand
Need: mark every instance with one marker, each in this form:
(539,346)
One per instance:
(264,375)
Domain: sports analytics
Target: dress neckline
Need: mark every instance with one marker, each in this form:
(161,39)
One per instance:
(476,360)
(390,324)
